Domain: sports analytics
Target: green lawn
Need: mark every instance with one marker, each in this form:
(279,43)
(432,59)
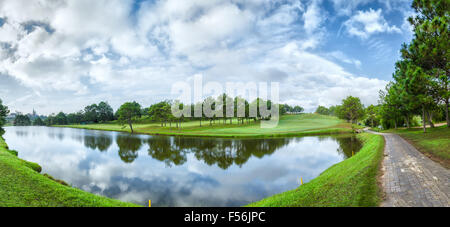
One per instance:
(352,182)
(435,143)
(22,186)
(291,125)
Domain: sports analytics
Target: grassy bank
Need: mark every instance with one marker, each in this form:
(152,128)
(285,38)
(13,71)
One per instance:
(291,125)
(352,182)
(21,185)
(435,143)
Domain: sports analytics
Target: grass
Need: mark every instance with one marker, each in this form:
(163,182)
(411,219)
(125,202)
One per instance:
(435,143)
(21,185)
(291,125)
(351,183)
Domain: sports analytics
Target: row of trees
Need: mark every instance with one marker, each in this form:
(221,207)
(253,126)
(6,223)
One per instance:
(292,109)
(220,106)
(421,79)
(351,110)
(95,113)
(162,112)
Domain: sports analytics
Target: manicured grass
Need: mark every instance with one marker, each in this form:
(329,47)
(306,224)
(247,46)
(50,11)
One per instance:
(352,182)
(22,186)
(291,125)
(435,143)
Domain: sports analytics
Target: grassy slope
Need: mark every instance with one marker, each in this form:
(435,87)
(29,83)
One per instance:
(352,182)
(21,186)
(292,125)
(435,143)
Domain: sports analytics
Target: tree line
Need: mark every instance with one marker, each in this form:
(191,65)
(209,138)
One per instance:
(351,110)
(420,90)
(131,112)
(421,77)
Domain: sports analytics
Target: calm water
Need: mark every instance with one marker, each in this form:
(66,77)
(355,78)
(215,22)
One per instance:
(178,171)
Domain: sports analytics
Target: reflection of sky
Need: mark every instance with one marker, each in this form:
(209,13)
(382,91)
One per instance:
(62,153)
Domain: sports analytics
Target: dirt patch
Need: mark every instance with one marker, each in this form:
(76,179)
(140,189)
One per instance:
(444,163)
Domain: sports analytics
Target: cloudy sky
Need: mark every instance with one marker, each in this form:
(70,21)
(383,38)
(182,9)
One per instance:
(65,54)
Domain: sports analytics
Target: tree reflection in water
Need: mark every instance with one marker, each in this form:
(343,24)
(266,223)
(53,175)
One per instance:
(348,146)
(163,148)
(21,133)
(101,142)
(128,147)
(221,152)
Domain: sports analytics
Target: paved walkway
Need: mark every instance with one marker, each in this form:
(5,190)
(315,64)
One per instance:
(410,178)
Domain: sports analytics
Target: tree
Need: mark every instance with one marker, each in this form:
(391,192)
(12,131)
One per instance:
(22,120)
(177,112)
(128,112)
(209,108)
(298,109)
(322,110)
(105,112)
(285,108)
(240,109)
(390,105)
(4,111)
(197,110)
(332,110)
(75,118)
(38,122)
(91,113)
(351,109)
(429,48)
(60,119)
(422,74)
(372,115)
(418,85)
(160,112)
(228,107)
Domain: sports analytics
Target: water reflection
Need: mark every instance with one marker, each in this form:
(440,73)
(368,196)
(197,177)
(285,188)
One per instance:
(22,133)
(178,171)
(348,146)
(128,147)
(163,149)
(220,152)
(101,142)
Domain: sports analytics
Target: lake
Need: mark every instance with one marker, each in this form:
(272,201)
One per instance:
(178,171)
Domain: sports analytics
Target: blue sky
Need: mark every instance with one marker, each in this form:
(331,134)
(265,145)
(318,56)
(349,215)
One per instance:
(63,55)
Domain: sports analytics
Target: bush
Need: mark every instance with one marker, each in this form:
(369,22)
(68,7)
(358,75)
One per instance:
(56,180)
(416,121)
(34,166)
(13,152)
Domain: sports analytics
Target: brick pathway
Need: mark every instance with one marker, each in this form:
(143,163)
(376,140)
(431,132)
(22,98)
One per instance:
(411,179)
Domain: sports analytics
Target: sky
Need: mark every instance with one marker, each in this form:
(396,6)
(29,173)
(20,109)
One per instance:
(62,55)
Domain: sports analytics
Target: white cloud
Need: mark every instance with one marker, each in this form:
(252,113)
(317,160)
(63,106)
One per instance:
(313,17)
(366,23)
(88,50)
(346,7)
(219,27)
(316,81)
(340,56)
